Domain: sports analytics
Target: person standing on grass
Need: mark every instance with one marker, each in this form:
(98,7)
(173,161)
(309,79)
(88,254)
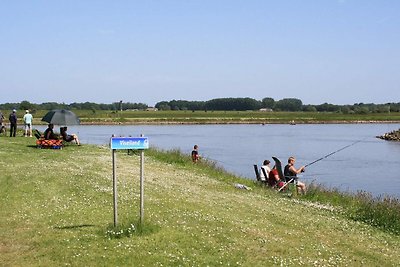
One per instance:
(28,123)
(13,123)
(195,154)
(291,172)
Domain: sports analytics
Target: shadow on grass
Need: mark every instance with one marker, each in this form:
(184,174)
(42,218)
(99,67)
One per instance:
(32,146)
(64,146)
(73,226)
(130,229)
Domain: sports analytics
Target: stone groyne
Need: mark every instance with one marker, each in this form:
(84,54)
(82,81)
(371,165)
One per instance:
(391,136)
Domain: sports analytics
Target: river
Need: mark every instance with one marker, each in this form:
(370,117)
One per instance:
(367,164)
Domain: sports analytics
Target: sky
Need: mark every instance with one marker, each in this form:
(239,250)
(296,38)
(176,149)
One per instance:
(319,51)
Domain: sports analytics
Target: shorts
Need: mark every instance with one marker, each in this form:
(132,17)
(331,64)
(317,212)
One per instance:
(28,126)
(69,138)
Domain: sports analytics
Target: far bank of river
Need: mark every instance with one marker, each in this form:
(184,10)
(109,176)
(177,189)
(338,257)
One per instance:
(230,121)
(370,164)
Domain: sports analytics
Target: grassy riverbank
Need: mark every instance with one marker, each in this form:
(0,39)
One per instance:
(56,209)
(221,117)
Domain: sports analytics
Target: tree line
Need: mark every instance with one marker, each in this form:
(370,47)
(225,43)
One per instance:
(269,104)
(77,106)
(223,104)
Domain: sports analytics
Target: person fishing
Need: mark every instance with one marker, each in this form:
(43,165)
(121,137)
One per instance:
(195,154)
(291,172)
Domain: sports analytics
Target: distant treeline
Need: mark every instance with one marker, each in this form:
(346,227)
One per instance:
(79,106)
(228,104)
(269,104)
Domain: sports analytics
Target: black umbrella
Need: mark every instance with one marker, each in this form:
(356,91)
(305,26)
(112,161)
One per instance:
(61,117)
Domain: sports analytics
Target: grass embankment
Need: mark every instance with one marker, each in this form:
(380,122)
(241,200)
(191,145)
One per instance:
(220,117)
(56,209)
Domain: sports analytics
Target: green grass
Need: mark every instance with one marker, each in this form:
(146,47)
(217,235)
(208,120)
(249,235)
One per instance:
(56,210)
(382,212)
(202,117)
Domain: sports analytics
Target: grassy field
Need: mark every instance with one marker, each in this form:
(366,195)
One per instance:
(202,117)
(56,210)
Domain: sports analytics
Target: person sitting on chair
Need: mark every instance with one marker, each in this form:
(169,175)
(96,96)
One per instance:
(274,180)
(267,169)
(68,137)
(291,172)
(49,133)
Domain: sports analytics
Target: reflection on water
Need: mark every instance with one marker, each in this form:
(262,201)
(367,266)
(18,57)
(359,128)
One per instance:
(371,164)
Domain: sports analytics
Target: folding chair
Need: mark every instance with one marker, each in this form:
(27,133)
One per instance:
(37,134)
(258,176)
(3,129)
(265,175)
(287,179)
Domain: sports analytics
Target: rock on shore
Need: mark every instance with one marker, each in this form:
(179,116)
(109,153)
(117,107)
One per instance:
(391,136)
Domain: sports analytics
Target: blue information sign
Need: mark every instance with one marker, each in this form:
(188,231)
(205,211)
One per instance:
(129,143)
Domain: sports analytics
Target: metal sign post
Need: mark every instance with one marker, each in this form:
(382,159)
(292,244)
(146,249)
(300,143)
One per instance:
(115,188)
(141,185)
(136,143)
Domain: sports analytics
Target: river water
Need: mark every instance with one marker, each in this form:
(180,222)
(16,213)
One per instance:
(367,164)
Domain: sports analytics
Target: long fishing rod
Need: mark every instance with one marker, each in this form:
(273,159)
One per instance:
(334,152)
(212,159)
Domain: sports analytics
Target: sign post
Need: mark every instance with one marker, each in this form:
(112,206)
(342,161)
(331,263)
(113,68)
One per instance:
(136,143)
(115,188)
(141,186)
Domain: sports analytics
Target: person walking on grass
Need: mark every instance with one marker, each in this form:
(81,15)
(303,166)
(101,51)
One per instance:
(28,123)
(13,123)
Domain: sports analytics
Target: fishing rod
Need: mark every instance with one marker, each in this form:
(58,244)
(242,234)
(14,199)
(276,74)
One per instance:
(334,152)
(212,159)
